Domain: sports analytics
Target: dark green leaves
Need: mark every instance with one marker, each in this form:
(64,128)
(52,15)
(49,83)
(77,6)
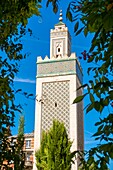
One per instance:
(14,15)
(54,4)
(90,107)
(69,15)
(76,26)
(19,156)
(95,17)
(92,99)
(79,31)
(85,32)
(79,98)
(105,130)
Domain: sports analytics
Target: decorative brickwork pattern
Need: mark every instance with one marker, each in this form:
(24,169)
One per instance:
(56,67)
(56,103)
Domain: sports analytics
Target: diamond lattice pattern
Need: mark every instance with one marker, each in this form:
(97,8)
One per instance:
(56,103)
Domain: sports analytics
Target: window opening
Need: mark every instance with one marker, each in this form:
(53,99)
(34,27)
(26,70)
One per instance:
(58,49)
(55,104)
(28,143)
(28,157)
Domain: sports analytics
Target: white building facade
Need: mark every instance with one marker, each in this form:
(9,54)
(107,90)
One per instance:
(57,80)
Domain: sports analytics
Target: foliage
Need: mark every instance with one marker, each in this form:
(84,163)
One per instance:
(14,154)
(19,158)
(96,18)
(55,4)
(14,15)
(54,152)
(5,143)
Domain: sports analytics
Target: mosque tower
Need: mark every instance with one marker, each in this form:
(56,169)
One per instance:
(57,80)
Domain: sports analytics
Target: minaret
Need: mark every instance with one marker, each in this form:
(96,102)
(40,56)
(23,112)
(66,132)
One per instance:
(60,40)
(57,80)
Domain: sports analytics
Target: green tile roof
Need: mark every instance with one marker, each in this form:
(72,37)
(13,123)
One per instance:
(60,23)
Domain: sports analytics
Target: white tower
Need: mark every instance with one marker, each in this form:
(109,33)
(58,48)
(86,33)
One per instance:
(57,80)
(60,40)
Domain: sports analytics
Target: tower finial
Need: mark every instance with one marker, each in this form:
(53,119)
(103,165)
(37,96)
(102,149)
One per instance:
(60,18)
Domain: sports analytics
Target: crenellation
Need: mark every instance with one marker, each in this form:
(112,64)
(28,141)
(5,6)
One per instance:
(73,55)
(59,57)
(39,58)
(46,58)
(65,56)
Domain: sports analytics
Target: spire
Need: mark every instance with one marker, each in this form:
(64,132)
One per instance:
(60,18)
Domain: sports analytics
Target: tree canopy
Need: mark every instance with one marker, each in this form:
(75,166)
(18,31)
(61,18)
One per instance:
(54,152)
(19,156)
(14,15)
(96,18)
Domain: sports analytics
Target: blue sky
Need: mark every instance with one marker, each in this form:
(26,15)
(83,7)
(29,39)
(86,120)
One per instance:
(39,45)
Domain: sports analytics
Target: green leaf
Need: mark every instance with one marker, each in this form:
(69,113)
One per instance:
(101,108)
(69,15)
(89,69)
(90,107)
(111,155)
(97,106)
(55,9)
(100,127)
(90,81)
(79,98)
(83,86)
(111,94)
(98,94)
(85,32)
(98,133)
(91,59)
(97,123)
(76,26)
(91,98)
(97,138)
(79,31)
(106,102)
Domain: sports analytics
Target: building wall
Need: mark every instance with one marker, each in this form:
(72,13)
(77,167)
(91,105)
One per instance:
(59,88)
(29,150)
